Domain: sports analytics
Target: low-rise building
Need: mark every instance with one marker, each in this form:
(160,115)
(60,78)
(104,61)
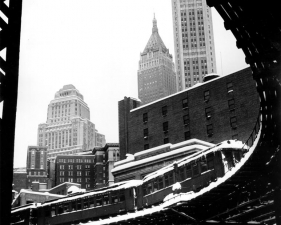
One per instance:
(137,166)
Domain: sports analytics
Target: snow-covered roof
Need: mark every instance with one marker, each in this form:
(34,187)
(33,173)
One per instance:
(191,149)
(132,160)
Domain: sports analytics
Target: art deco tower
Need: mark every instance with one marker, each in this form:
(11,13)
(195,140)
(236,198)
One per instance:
(193,41)
(156,74)
(68,128)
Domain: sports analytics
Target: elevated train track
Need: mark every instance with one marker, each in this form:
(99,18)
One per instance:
(252,195)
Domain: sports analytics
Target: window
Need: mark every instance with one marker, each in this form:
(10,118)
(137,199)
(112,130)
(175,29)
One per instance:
(203,165)
(210,129)
(188,171)
(79,173)
(61,179)
(79,180)
(231,104)
(70,179)
(195,169)
(146,146)
(61,173)
(229,87)
(61,167)
(79,167)
(206,96)
(208,112)
(166,140)
(233,122)
(184,103)
(186,120)
(165,127)
(164,110)
(145,118)
(145,133)
(70,167)
(70,173)
(186,135)
(87,173)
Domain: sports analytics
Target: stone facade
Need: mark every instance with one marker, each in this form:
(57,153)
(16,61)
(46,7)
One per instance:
(193,42)
(223,108)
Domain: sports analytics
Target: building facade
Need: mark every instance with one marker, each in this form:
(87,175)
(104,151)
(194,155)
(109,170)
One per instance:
(68,128)
(156,74)
(138,165)
(75,169)
(193,41)
(220,109)
(36,165)
(105,157)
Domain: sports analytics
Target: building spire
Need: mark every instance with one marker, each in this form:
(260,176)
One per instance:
(154,28)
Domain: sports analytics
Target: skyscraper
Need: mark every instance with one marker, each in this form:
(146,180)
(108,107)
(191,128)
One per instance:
(156,74)
(193,41)
(68,128)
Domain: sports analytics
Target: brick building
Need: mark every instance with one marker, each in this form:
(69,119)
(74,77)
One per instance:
(222,108)
(36,165)
(104,163)
(75,169)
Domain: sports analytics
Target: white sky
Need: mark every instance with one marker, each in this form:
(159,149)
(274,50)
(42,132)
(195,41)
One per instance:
(94,45)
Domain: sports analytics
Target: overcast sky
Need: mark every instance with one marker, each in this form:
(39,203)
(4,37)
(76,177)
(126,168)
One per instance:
(94,45)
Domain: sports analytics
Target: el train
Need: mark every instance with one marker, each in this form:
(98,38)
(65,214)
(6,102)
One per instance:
(192,173)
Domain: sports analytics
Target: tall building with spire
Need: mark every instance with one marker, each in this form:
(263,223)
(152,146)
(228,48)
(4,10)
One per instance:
(156,73)
(193,41)
(68,129)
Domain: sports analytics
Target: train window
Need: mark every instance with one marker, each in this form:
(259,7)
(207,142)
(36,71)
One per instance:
(210,162)
(155,185)
(60,209)
(171,179)
(188,171)
(66,207)
(144,189)
(160,183)
(47,212)
(203,165)
(181,171)
(86,203)
(114,197)
(105,200)
(99,200)
(91,202)
(121,196)
(149,188)
(166,180)
(79,205)
(53,211)
(228,159)
(73,206)
(195,169)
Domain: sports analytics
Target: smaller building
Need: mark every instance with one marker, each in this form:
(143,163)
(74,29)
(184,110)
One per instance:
(137,166)
(75,168)
(19,179)
(104,163)
(36,165)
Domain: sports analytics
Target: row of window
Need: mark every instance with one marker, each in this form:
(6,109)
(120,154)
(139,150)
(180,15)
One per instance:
(167,140)
(76,180)
(94,201)
(185,172)
(75,160)
(78,173)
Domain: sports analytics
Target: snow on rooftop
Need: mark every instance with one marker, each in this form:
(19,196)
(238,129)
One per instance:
(161,156)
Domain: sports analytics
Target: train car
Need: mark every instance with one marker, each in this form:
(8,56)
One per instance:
(192,173)
(94,205)
(24,215)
